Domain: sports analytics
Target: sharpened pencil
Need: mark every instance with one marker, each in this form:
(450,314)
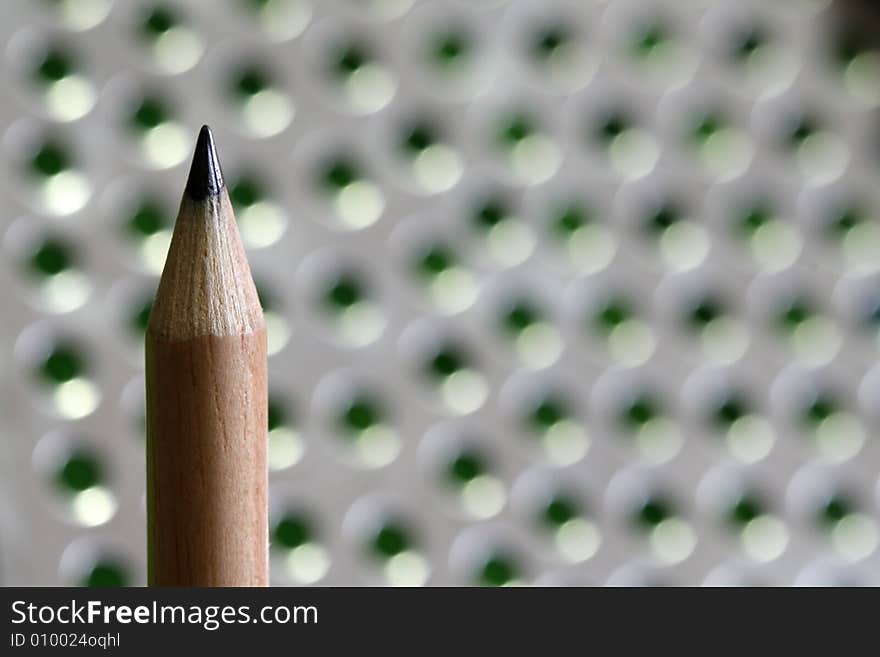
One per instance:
(206,385)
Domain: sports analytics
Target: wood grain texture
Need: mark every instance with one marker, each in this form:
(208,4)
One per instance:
(206,386)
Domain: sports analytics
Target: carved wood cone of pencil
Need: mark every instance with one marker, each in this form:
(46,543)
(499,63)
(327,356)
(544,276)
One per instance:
(206,385)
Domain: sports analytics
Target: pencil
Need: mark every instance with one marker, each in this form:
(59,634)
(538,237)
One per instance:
(206,383)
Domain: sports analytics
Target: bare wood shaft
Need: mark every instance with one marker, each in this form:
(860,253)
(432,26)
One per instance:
(206,494)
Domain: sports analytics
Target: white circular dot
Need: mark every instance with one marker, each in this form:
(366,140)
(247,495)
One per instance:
(267,112)
(407,568)
(94,506)
(465,391)
(286,447)
(750,438)
(437,168)
(765,538)
(308,563)
(371,87)
(76,398)
(360,204)
(634,153)
(673,540)
(578,540)
(631,342)
(566,442)
(510,242)
(377,445)
(70,98)
(855,536)
(483,496)
(178,49)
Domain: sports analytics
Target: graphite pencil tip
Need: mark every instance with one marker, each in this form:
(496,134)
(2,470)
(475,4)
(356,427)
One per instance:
(205,175)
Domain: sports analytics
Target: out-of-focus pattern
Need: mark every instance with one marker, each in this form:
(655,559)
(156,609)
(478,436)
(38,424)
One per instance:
(558,292)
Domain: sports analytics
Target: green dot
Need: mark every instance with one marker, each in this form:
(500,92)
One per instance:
(663,218)
(560,510)
(340,173)
(613,125)
(754,218)
(436,259)
(246,191)
(847,219)
(821,408)
(62,364)
(870,315)
(548,41)
(519,317)
(277,413)
(654,511)
(730,410)
(497,571)
(746,509)
(158,21)
(351,58)
(343,293)
(107,573)
(79,472)
(794,315)
(835,510)
(265,296)
(648,39)
(50,159)
(446,362)
(250,81)
(614,313)
(361,414)
(151,112)
(52,257)
(148,219)
(514,129)
(450,48)
(706,127)
(568,220)
(800,130)
(847,49)
(547,413)
(140,316)
(466,467)
(55,66)
(390,540)
(256,5)
(291,531)
(747,43)
(641,410)
(490,213)
(419,137)
(705,311)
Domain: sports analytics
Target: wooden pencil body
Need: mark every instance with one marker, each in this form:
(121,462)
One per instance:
(207,514)
(206,451)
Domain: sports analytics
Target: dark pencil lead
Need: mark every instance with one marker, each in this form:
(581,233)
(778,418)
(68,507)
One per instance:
(205,175)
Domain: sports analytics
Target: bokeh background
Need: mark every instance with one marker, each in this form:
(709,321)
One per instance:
(558,292)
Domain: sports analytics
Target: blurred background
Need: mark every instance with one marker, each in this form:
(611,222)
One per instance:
(558,292)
